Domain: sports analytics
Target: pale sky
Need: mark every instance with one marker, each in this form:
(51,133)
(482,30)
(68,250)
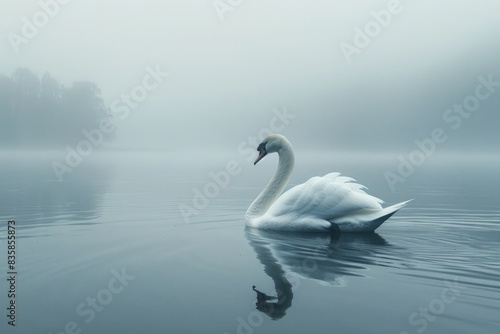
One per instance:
(226,76)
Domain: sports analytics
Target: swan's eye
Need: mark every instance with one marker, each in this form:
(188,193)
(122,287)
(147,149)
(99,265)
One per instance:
(262,147)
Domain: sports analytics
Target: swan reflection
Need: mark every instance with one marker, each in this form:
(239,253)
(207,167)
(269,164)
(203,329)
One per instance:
(328,259)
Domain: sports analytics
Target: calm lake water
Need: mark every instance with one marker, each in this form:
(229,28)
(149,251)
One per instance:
(120,247)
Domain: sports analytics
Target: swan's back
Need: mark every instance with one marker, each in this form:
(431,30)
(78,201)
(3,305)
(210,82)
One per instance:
(325,197)
(322,201)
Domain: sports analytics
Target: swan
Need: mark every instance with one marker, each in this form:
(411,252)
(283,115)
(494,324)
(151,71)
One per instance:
(331,203)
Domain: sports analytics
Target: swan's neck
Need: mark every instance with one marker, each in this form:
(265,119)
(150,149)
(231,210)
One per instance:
(275,187)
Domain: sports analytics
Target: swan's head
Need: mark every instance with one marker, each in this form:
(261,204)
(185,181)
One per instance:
(271,144)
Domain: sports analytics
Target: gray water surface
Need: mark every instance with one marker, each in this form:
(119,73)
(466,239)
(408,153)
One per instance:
(112,249)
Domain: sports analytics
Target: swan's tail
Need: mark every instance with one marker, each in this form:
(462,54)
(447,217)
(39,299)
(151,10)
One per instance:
(368,220)
(386,213)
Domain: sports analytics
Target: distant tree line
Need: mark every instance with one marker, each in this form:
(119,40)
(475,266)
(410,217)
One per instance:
(42,113)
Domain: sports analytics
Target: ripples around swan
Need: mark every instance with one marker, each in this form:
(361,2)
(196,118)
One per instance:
(433,250)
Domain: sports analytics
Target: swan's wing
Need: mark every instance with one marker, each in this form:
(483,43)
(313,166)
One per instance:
(350,183)
(327,197)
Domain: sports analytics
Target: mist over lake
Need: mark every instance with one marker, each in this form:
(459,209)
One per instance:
(249,167)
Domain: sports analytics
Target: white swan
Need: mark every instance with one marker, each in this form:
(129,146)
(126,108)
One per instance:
(322,204)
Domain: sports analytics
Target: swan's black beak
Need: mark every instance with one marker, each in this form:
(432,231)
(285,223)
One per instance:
(262,152)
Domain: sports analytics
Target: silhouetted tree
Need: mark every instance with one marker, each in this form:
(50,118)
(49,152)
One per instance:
(50,88)
(42,113)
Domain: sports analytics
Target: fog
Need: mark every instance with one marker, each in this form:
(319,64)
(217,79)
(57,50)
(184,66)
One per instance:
(352,75)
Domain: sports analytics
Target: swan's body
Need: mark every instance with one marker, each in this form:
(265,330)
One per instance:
(321,204)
